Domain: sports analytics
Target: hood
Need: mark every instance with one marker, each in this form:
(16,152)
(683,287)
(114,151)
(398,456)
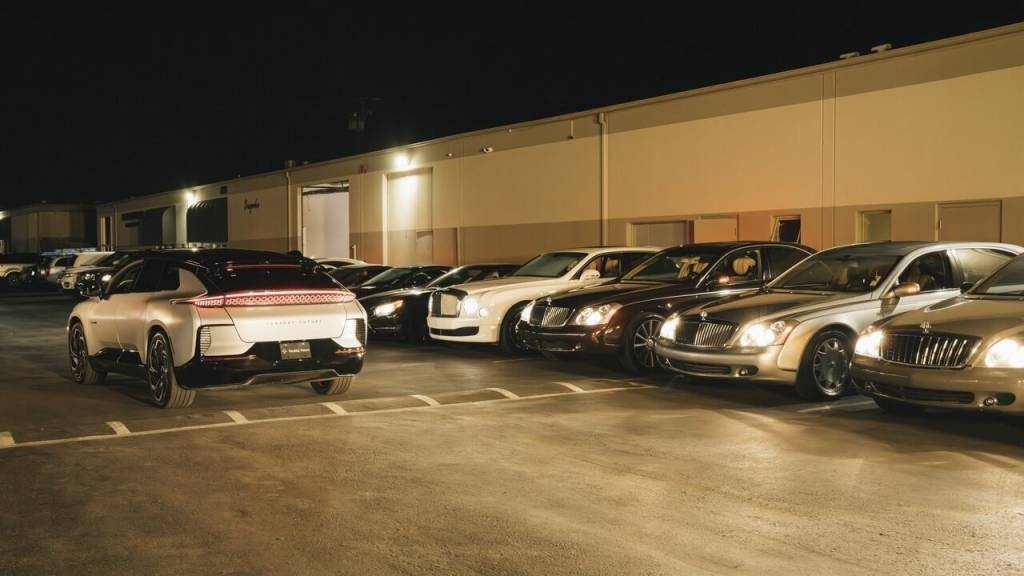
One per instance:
(487,285)
(618,292)
(379,297)
(971,316)
(742,308)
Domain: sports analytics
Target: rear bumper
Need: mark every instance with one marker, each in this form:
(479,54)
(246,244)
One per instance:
(760,366)
(565,339)
(246,370)
(961,389)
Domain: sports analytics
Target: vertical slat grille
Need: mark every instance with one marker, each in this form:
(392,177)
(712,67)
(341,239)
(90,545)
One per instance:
(445,304)
(705,334)
(928,350)
(549,316)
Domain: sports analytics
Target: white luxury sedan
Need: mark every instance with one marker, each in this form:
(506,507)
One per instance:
(187,320)
(488,312)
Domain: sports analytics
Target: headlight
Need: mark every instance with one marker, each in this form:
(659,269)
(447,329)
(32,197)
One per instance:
(595,315)
(870,344)
(1005,354)
(470,307)
(669,328)
(105,278)
(525,314)
(761,335)
(387,309)
(88,276)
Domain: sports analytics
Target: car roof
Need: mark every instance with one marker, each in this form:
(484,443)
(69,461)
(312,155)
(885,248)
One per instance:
(591,250)
(904,248)
(214,256)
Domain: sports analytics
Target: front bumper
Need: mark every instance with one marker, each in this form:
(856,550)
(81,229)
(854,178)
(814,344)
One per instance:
(962,389)
(260,366)
(726,364)
(463,329)
(584,339)
(386,325)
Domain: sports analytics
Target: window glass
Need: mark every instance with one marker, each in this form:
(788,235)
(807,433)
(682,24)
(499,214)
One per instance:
(739,267)
(835,271)
(683,264)
(631,259)
(271,277)
(171,278)
(149,278)
(977,263)
(787,229)
(784,258)
(550,265)
(931,272)
(1008,281)
(65,261)
(610,266)
(391,277)
(125,280)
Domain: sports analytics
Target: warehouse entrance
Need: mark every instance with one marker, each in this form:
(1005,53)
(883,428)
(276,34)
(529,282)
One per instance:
(325,213)
(408,219)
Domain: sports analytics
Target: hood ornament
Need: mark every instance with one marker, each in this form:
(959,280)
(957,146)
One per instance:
(548,300)
(926,327)
(703,314)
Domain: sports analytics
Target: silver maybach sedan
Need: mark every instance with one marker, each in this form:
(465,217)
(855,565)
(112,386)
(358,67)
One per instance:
(801,328)
(962,353)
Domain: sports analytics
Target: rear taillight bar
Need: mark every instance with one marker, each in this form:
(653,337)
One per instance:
(272,298)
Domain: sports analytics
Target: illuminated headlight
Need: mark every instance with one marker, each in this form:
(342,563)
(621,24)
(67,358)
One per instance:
(870,344)
(669,328)
(525,314)
(470,307)
(105,278)
(387,309)
(761,335)
(88,276)
(596,315)
(1005,354)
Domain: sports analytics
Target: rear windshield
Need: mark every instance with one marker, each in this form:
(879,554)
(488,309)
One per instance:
(247,277)
(550,265)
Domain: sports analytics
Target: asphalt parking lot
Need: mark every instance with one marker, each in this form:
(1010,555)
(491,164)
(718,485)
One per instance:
(462,461)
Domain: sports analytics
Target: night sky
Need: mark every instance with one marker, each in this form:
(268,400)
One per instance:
(105,102)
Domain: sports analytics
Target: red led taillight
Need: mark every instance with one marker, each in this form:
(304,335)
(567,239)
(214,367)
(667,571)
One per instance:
(275,298)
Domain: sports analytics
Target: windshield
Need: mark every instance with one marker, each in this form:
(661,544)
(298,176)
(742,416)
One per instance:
(392,276)
(838,272)
(1007,281)
(465,275)
(116,259)
(679,265)
(550,265)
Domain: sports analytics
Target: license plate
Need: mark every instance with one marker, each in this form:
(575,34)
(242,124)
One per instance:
(294,350)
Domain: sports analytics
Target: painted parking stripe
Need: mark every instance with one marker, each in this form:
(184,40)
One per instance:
(505,393)
(334,407)
(571,386)
(427,399)
(236,416)
(119,428)
(6,440)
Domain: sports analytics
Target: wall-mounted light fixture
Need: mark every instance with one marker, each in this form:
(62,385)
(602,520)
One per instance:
(402,161)
(190,198)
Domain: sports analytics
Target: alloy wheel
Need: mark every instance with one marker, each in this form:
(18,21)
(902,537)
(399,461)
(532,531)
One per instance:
(643,342)
(77,352)
(831,366)
(159,370)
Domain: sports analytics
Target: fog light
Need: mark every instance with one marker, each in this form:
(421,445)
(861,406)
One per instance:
(990,401)
(869,386)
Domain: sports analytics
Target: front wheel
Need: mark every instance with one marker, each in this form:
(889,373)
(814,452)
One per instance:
(164,390)
(509,340)
(332,386)
(82,370)
(638,340)
(825,371)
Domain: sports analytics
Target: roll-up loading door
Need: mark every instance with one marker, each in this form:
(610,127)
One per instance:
(158,227)
(207,222)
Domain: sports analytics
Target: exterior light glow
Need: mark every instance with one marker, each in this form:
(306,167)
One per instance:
(402,161)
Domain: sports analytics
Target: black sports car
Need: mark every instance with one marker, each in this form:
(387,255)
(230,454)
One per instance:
(403,312)
(400,277)
(352,276)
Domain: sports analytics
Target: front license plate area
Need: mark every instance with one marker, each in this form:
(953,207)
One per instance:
(295,350)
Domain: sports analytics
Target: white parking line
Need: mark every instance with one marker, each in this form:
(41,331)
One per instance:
(505,393)
(571,386)
(430,401)
(236,416)
(119,428)
(333,407)
(78,439)
(6,440)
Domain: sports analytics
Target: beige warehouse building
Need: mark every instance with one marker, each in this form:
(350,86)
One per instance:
(43,227)
(923,142)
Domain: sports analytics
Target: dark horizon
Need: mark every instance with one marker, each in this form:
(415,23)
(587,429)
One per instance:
(113,102)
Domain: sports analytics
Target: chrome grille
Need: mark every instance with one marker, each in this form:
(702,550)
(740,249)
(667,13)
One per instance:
(549,316)
(928,350)
(705,333)
(445,304)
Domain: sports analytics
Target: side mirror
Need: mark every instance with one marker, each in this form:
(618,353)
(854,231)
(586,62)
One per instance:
(722,280)
(904,289)
(966,286)
(589,275)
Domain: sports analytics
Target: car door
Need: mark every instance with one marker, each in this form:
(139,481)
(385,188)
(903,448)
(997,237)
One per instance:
(104,316)
(132,313)
(934,273)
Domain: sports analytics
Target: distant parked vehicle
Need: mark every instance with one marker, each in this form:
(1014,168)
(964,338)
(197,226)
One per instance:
(403,312)
(622,318)
(801,329)
(489,312)
(337,262)
(19,269)
(354,275)
(186,321)
(55,266)
(965,353)
(400,277)
(94,271)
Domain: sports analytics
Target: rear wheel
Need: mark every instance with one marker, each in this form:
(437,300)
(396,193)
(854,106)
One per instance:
(825,371)
(332,386)
(509,340)
(13,280)
(896,407)
(637,354)
(164,389)
(82,370)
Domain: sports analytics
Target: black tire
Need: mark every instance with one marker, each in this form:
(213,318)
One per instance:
(508,340)
(332,386)
(637,354)
(896,407)
(13,280)
(82,371)
(164,389)
(825,370)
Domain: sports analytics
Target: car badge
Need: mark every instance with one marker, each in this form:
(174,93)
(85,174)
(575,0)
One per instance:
(703,315)
(926,327)
(548,300)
